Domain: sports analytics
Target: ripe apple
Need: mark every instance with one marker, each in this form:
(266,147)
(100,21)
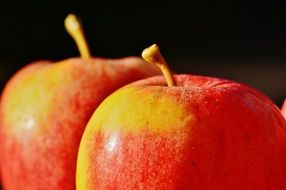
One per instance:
(198,133)
(283,109)
(45,108)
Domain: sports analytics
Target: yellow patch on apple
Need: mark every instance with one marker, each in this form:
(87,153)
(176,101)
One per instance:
(33,88)
(142,106)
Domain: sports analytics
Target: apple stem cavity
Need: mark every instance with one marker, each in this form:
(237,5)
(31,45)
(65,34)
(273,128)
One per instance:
(153,55)
(74,28)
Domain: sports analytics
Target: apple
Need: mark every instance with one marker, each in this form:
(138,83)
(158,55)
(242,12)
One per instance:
(191,132)
(283,109)
(45,107)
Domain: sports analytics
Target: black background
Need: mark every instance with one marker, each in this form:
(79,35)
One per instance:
(237,40)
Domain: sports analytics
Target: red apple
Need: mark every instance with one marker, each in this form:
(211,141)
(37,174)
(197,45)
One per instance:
(198,133)
(45,108)
(283,109)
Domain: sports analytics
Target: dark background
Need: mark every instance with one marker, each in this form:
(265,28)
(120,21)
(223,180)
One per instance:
(242,41)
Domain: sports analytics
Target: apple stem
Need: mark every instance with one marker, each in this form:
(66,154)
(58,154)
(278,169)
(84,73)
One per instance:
(153,55)
(75,29)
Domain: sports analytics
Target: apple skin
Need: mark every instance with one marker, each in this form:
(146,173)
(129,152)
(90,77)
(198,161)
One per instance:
(204,134)
(283,109)
(44,110)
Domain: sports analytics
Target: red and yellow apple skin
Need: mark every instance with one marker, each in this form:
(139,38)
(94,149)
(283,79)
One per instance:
(44,110)
(205,133)
(283,109)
